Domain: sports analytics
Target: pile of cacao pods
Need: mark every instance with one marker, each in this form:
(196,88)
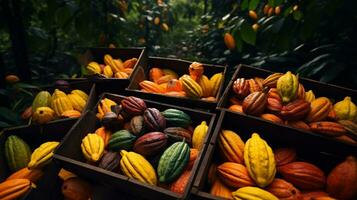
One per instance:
(280,98)
(46,107)
(26,166)
(112,68)
(252,170)
(195,85)
(148,145)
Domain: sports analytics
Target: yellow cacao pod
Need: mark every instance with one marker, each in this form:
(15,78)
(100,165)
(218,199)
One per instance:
(43,115)
(42,155)
(107,71)
(57,94)
(191,87)
(309,96)
(62,104)
(121,75)
(253,193)
(92,147)
(205,84)
(199,135)
(77,102)
(137,167)
(231,146)
(216,81)
(288,86)
(259,160)
(93,68)
(170,72)
(346,109)
(81,93)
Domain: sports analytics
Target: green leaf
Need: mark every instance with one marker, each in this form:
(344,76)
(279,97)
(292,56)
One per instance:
(4,125)
(245,4)
(331,73)
(253,4)
(247,33)
(274,3)
(9,115)
(27,86)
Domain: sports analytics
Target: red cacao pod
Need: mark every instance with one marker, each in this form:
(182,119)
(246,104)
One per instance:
(342,180)
(241,88)
(313,195)
(178,133)
(154,120)
(298,125)
(284,156)
(303,175)
(255,103)
(271,80)
(274,103)
(150,144)
(133,105)
(295,110)
(284,190)
(272,118)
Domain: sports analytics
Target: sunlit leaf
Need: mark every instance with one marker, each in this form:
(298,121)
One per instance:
(253,4)
(248,34)
(245,4)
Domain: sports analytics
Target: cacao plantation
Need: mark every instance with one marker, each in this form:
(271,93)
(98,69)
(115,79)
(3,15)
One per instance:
(178,99)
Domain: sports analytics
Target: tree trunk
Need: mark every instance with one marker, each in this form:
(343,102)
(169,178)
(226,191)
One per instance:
(12,12)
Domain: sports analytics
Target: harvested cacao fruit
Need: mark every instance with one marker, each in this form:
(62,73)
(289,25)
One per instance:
(284,156)
(319,109)
(342,180)
(255,103)
(284,190)
(328,128)
(287,86)
(303,175)
(298,124)
(271,80)
(76,189)
(346,109)
(295,110)
(234,175)
(231,146)
(220,190)
(272,117)
(241,88)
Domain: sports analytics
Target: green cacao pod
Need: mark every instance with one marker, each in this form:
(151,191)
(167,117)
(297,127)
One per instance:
(173,161)
(42,99)
(176,118)
(122,139)
(17,152)
(288,86)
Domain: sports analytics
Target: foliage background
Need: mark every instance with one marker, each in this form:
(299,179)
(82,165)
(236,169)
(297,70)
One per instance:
(316,40)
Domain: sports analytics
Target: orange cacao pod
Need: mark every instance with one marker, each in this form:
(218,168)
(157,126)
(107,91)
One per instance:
(319,109)
(220,190)
(301,92)
(254,85)
(231,146)
(193,157)
(229,41)
(303,175)
(255,103)
(151,87)
(130,63)
(174,85)
(33,175)
(195,70)
(164,79)
(121,75)
(295,110)
(284,156)
(76,189)
(155,73)
(180,184)
(272,117)
(342,180)
(234,175)
(236,108)
(284,190)
(14,188)
(328,128)
(241,88)
(271,80)
(298,125)
(332,116)
(105,134)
